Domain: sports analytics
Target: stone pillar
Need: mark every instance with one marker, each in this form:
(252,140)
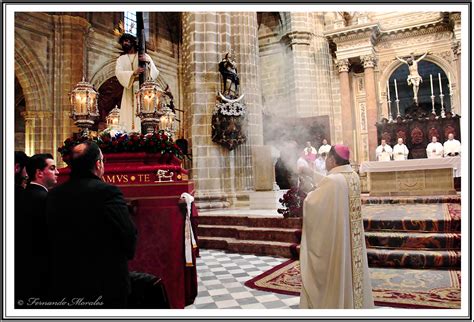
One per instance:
(310,64)
(69,39)
(457,89)
(371,102)
(30,120)
(202,37)
(244,44)
(220,175)
(346,108)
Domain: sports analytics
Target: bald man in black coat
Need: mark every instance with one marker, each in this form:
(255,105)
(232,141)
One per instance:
(92,236)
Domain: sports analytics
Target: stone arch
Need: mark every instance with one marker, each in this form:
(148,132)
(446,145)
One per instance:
(394,65)
(36,90)
(441,62)
(30,74)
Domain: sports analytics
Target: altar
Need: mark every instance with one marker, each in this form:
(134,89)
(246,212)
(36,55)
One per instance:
(412,177)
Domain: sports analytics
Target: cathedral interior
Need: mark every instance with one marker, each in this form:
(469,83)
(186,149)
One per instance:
(304,76)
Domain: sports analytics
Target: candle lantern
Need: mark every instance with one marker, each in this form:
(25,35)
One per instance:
(148,105)
(84,108)
(113,118)
(167,121)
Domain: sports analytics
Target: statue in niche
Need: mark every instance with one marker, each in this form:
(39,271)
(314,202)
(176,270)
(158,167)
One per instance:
(414,77)
(228,70)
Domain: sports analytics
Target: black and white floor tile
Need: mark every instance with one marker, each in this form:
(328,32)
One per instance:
(221,278)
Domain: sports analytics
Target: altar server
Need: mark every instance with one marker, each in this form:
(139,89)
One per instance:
(400,150)
(383,151)
(434,150)
(452,147)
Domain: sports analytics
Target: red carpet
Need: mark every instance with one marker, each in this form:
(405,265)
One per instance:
(403,288)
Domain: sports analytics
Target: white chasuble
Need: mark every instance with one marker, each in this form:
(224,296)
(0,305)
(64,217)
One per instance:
(124,68)
(333,256)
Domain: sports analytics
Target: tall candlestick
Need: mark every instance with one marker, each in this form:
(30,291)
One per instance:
(449,84)
(388,91)
(440,87)
(396,90)
(431,83)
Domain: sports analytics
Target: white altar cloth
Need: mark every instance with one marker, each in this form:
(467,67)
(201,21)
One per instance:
(412,165)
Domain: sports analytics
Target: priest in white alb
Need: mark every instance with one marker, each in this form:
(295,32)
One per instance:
(383,151)
(452,147)
(127,72)
(434,150)
(324,148)
(333,256)
(400,150)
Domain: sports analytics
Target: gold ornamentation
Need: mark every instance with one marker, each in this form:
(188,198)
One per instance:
(119,30)
(357,239)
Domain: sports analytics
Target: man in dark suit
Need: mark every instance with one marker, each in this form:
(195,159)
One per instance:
(92,236)
(31,231)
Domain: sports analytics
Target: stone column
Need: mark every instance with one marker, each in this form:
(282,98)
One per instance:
(30,139)
(202,37)
(69,39)
(244,44)
(371,102)
(457,89)
(310,65)
(346,106)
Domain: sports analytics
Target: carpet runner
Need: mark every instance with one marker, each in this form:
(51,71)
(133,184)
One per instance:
(398,235)
(403,288)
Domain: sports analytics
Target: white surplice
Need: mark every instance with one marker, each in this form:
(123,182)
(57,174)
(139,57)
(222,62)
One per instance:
(124,68)
(383,152)
(333,256)
(400,152)
(434,150)
(452,146)
(324,149)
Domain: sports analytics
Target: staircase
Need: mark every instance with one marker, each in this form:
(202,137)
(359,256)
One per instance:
(252,235)
(400,233)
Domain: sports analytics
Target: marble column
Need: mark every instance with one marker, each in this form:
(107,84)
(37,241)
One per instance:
(346,106)
(371,102)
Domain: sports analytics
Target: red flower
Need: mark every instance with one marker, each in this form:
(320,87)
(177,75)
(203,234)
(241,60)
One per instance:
(163,145)
(152,143)
(165,137)
(114,143)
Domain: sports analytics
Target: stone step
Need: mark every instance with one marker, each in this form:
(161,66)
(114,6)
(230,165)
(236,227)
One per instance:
(256,247)
(288,235)
(367,200)
(250,221)
(396,258)
(389,258)
(413,240)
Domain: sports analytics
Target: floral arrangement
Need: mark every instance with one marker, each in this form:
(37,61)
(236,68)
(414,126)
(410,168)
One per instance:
(292,202)
(116,142)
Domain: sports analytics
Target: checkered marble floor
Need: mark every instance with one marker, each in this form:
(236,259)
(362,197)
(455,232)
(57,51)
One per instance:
(221,278)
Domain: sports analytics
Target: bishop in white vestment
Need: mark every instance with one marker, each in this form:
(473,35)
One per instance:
(127,71)
(333,256)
